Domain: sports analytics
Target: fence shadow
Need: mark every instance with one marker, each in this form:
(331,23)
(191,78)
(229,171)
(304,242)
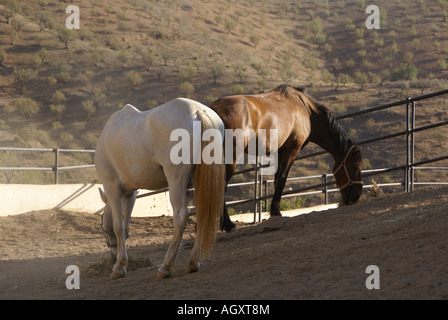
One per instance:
(85,187)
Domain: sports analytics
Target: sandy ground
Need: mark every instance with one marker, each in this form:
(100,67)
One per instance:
(321,255)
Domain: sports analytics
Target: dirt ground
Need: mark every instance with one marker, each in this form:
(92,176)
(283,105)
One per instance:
(321,255)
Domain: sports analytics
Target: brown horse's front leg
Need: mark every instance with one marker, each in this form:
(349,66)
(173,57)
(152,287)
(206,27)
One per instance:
(286,158)
(224,221)
(275,205)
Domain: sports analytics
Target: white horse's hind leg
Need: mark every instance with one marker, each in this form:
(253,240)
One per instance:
(115,199)
(129,201)
(193,263)
(178,199)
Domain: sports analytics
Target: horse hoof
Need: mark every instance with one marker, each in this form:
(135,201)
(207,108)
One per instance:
(192,267)
(118,272)
(163,272)
(117,275)
(228,227)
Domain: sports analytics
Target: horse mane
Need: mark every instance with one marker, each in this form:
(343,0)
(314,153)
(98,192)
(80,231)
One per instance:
(283,89)
(342,141)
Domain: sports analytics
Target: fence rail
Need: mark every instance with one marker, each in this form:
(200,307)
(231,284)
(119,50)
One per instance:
(260,185)
(56,168)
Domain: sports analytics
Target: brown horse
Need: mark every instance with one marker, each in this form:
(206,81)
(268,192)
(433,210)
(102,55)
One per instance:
(299,120)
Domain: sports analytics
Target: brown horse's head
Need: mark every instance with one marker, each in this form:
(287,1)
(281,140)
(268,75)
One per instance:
(347,173)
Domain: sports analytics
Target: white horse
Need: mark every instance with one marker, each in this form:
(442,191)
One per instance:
(133,152)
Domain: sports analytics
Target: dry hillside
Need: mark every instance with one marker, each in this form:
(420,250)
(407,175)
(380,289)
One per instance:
(58,87)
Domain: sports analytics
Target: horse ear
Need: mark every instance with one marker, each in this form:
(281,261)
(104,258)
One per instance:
(103,195)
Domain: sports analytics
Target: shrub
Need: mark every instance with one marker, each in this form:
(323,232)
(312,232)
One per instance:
(133,78)
(240,71)
(57,109)
(316,26)
(26,107)
(217,71)
(123,56)
(322,166)
(58,98)
(187,73)
(88,108)
(66,36)
(186,88)
(237,88)
(441,64)
(2,57)
(405,72)
(229,25)
(24,76)
(66,139)
(255,39)
(89,140)
(360,78)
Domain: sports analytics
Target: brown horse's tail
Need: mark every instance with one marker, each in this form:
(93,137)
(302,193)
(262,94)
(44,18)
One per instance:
(209,187)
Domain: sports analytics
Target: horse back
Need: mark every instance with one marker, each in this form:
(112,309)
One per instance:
(270,111)
(135,146)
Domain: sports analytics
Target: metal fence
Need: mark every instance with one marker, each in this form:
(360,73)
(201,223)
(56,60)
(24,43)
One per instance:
(56,168)
(409,167)
(260,185)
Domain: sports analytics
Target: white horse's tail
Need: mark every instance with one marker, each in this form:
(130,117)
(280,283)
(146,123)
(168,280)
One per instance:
(209,188)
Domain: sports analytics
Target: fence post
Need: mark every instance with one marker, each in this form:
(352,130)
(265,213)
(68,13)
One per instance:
(266,190)
(260,190)
(406,174)
(255,188)
(325,176)
(412,172)
(56,165)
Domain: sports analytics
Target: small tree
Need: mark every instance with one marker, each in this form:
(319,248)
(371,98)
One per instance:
(229,25)
(360,78)
(123,56)
(8,14)
(88,108)
(44,20)
(405,72)
(58,110)
(237,88)
(166,55)
(147,58)
(240,71)
(18,25)
(255,39)
(66,36)
(26,107)
(24,76)
(316,26)
(133,78)
(342,78)
(186,88)
(441,64)
(187,73)
(2,57)
(217,71)
(58,98)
